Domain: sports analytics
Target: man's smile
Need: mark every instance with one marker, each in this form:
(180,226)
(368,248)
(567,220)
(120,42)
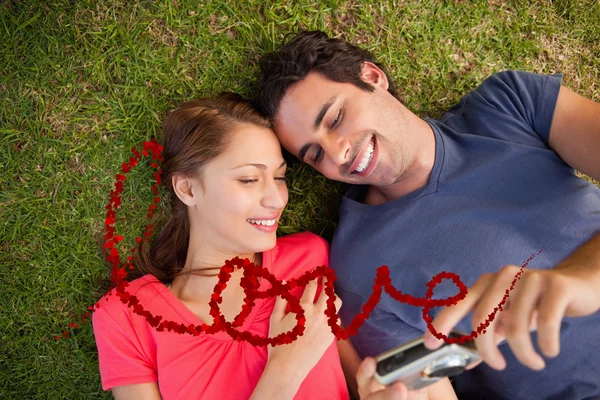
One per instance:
(365,161)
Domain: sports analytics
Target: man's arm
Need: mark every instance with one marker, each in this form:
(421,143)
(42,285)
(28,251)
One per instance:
(350,361)
(575,132)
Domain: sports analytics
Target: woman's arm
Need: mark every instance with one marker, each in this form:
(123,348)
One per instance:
(350,362)
(278,381)
(141,391)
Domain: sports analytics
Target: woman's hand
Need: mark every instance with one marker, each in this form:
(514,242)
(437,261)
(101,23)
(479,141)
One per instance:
(289,364)
(303,353)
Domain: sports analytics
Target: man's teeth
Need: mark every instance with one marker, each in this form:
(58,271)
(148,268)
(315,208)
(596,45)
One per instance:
(366,158)
(266,222)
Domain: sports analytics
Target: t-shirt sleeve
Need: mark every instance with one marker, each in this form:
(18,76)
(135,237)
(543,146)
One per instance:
(120,354)
(526,96)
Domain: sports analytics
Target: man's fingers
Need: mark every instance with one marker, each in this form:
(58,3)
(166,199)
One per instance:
(370,389)
(486,342)
(367,382)
(450,316)
(365,373)
(473,365)
(523,302)
(550,314)
(397,391)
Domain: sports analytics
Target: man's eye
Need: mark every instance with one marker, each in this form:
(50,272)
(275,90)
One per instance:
(336,121)
(247,181)
(282,178)
(318,155)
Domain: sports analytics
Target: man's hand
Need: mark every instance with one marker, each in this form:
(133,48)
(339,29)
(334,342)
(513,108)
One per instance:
(370,389)
(539,300)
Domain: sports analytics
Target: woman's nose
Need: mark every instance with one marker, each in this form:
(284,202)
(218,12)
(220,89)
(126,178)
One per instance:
(273,196)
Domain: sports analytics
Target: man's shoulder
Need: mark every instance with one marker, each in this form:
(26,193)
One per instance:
(503,84)
(515,87)
(512,105)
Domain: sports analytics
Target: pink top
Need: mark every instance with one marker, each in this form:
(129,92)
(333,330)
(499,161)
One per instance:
(208,366)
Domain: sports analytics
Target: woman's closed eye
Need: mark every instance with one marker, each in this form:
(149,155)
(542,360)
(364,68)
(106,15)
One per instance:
(249,181)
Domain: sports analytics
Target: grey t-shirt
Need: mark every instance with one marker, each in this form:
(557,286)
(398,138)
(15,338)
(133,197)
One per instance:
(497,194)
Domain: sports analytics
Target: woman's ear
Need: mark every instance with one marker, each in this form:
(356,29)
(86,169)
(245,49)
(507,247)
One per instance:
(373,75)
(184,189)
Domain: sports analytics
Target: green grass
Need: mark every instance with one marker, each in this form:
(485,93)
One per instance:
(82,82)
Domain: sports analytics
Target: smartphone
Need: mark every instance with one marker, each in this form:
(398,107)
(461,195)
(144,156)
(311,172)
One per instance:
(418,367)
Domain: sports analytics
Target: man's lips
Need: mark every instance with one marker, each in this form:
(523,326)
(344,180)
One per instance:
(360,156)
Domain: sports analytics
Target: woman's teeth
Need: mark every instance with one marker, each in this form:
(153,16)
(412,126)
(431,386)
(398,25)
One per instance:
(266,222)
(366,158)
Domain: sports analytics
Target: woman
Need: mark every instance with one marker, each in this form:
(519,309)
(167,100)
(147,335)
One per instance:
(225,175)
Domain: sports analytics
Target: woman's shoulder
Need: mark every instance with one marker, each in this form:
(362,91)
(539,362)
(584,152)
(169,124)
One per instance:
(300,252)
(145,289)
(303,239)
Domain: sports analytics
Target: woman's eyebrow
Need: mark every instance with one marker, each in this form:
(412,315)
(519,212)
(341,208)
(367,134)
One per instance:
(261,166)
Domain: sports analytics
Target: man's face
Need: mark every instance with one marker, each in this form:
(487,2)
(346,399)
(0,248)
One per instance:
(344,132)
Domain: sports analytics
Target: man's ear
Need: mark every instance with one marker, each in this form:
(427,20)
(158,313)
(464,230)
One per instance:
(184,189)
(373,75)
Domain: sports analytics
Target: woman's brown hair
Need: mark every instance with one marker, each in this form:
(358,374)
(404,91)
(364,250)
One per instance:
(194,134)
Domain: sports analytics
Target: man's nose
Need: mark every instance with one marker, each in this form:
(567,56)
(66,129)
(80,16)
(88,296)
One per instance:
(338,150)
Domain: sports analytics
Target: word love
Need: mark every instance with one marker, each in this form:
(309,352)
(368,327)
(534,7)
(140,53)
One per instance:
(250,283)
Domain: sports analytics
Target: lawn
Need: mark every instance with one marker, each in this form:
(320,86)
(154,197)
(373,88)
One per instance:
(82,82)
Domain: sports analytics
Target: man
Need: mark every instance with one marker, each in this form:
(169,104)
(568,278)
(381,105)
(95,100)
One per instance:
(476,192)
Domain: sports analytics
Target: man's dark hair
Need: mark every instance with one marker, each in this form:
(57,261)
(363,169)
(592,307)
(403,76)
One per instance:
(308,51)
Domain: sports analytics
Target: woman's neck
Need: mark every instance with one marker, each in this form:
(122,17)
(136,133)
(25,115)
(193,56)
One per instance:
(197,279)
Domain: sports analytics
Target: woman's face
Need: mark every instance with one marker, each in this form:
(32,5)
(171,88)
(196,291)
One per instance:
(242,193)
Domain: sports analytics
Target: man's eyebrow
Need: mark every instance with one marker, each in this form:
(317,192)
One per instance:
(316,125)
(303,151)
(323,111)
(261,166)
